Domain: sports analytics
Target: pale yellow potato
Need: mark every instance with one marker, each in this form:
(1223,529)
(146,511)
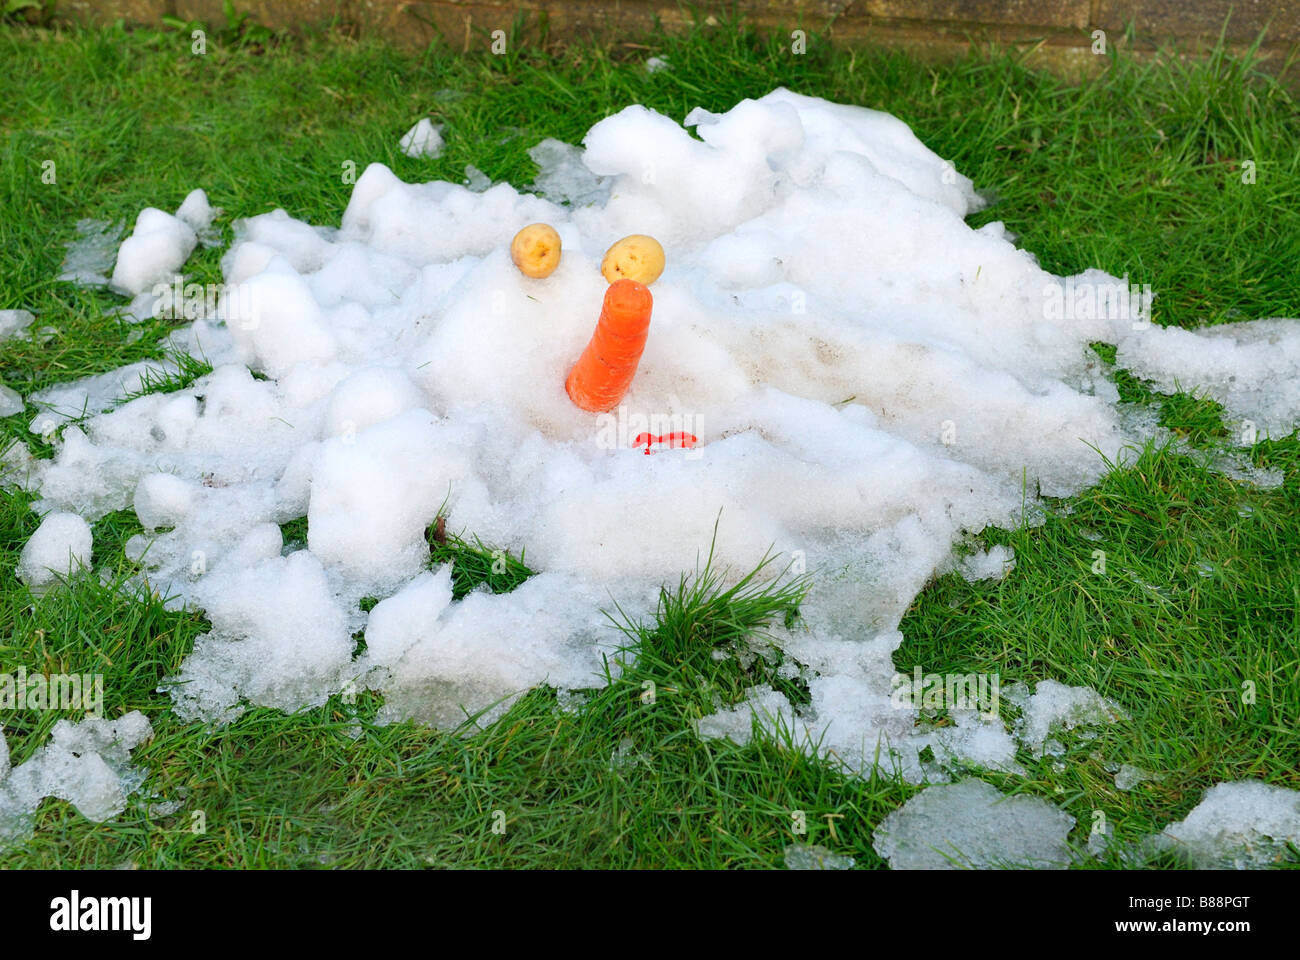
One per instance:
(536,250)
(637,257)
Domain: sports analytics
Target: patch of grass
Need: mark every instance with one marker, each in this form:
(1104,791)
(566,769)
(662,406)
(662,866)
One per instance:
(1139,172)
(475,564)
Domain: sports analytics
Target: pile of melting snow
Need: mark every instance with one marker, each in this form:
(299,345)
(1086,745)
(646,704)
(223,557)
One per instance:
(871,381)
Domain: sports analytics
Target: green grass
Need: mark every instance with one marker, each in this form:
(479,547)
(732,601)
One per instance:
(1138,172)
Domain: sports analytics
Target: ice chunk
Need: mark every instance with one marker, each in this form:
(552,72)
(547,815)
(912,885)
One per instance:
(423,140)
(1128,776)
(370,395)
(372,498)
(155,251)
(277,324)
(811,856)
(483,652)
(87,764)
(970,825)
(562,176)
(11,401)
(91,254)
(60,546)
(475,179)
(14,323)
(1242,825)
(398,623)
(163,500)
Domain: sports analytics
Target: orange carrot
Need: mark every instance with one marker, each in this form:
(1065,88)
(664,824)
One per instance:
(605,370)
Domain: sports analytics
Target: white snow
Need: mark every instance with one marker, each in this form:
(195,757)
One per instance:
(423,140)
(197,213)
(59,547)
(154,252)
(1242,825)
(87,764)
(970,825)
(871,381)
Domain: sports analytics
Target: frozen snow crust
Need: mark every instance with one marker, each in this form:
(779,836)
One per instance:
(869,378)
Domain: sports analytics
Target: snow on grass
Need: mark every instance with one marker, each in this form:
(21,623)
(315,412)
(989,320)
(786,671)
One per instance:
(871,381)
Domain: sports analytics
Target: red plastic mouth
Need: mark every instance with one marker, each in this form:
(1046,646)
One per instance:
(672,440)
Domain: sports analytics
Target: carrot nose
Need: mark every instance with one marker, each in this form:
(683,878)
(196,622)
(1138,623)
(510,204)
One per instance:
(627,307)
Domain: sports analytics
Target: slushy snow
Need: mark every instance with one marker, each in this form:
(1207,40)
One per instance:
(971,826)
(87,764)
(1054,707)
(871,380)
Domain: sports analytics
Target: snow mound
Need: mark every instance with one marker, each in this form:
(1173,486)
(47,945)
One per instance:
(59,547)
(871,381)
(1243,825)
(971,826)
(87,764)
(154,252)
